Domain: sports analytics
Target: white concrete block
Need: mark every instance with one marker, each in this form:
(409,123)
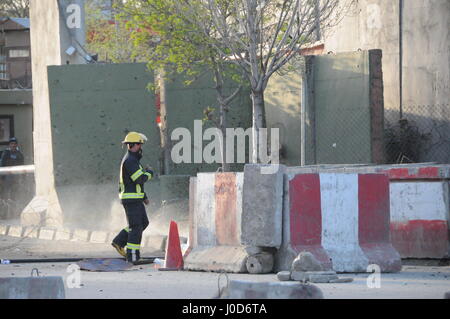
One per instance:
(99,237)
(4,229)
(15,231)
(81,235)
(63,234)
(30,232)
(46,233)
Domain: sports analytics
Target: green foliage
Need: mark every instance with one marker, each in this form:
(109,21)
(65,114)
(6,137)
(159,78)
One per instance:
(14,8)
(168,40)
(107,36)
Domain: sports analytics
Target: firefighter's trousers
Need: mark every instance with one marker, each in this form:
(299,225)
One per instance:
(131,236)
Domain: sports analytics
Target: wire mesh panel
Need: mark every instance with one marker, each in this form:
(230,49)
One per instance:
(421,134)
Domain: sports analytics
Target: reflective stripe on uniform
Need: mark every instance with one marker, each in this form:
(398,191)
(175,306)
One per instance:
(133,246)
(138,194)
(131,195)
(136,175)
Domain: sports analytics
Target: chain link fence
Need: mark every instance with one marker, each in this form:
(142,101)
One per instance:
(420,135)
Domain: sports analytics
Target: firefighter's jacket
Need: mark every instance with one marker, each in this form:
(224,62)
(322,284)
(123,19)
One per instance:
(132,178)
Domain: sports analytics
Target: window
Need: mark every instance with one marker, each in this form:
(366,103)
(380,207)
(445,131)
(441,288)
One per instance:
(3,68)
(6,128)
(3,71)
(19,53)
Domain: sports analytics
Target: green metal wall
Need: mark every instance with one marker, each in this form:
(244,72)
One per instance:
(283,111)
(92,108)
(340,116)
(342,108)
(186,104)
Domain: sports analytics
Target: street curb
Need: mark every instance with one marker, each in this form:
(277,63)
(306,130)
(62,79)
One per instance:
(73,235)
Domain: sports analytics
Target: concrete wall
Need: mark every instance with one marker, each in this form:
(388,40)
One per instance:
(283,111)
(47,48)
(186,104)
(344,117)
(92,108)
(18,38)
(374,24)
(16,96)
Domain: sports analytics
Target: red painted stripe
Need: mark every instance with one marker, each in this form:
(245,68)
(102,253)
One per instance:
(305,210)
(225,201)
(421,238)
(373,216)
(414,173)
(306,217)
(373,222)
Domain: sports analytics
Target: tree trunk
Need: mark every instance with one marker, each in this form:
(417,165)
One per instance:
(258,122)
(218,71)
(223,129)
(165,141)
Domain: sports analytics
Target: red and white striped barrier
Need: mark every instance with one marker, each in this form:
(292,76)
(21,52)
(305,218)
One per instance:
(420,211)
(419,205)
(215,231)
(342,219)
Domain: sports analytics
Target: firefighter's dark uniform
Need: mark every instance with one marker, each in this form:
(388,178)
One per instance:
(132,194)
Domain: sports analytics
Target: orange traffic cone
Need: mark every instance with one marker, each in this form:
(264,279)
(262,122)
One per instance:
(174,257)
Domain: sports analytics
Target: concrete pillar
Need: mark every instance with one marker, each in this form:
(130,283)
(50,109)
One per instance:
(308,139)
(48,46)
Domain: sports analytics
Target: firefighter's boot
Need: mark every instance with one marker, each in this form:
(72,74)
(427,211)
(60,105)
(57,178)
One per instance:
(133,256)
(119,249)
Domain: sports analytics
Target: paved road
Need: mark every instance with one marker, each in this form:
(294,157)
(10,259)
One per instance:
(147,282)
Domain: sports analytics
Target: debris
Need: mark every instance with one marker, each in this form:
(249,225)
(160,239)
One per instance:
(284,276)
(238,289)
(104,264)
(341,280)
(317,277)
(322,279)
(305,261)
(261,263)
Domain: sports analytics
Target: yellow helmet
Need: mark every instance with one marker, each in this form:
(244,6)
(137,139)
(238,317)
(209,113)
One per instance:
(134,137)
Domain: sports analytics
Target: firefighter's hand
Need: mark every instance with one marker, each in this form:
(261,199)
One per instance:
(146,201)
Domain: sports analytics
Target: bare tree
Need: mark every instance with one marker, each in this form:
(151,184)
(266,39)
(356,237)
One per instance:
(14,8)
(261,36)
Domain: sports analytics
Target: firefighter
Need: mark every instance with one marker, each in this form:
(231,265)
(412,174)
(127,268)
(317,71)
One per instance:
(133,197)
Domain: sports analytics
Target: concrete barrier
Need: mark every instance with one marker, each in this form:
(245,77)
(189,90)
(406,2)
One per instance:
(262,207)
(215,237)
(419,204)
(192,228)
(32,288)
(342,219)
(420,211)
